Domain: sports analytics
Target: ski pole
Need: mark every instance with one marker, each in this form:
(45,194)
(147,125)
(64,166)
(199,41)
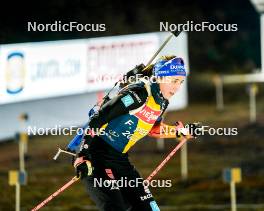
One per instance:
(52,196)
(179,126)
(166,159)
(64,151)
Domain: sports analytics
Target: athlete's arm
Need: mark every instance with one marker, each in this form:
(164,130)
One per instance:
(129,99)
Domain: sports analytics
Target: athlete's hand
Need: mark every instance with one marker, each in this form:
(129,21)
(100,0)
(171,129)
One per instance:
(83,167)
(182,132)
(188,131)
(194,129)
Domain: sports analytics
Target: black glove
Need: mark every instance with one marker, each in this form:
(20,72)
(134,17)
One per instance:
(83,167)
(194,128)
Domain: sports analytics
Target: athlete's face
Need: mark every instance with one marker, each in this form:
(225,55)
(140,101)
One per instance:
(170,85)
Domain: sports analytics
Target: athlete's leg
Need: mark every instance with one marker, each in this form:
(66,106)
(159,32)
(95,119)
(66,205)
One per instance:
(139,197)
(105,198)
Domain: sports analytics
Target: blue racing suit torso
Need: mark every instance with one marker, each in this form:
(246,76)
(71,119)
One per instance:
(125,130)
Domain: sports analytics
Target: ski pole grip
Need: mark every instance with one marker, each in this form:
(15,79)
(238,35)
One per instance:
(176,33)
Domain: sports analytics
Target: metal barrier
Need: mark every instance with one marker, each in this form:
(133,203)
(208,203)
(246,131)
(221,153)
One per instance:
(251,79)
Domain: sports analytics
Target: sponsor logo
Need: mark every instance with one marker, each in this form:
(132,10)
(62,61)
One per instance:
(148,196)
(113,133)
(148,115)
(177,67)
(15,73)
(127,100)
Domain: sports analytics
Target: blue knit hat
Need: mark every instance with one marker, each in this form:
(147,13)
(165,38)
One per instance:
(173,67)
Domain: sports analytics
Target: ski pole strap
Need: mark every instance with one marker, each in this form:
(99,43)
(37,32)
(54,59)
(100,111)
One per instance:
(52,196)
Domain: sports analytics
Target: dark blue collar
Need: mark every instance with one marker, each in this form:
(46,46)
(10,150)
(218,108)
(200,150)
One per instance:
(158,97)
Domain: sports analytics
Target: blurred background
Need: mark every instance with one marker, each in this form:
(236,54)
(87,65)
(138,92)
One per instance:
(224,89)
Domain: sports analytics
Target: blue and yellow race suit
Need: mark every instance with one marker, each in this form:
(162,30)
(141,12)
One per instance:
(123,121)
(144,109)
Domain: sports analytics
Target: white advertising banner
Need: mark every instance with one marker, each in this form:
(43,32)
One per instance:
(109,58)
(48,69)
(40,70)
